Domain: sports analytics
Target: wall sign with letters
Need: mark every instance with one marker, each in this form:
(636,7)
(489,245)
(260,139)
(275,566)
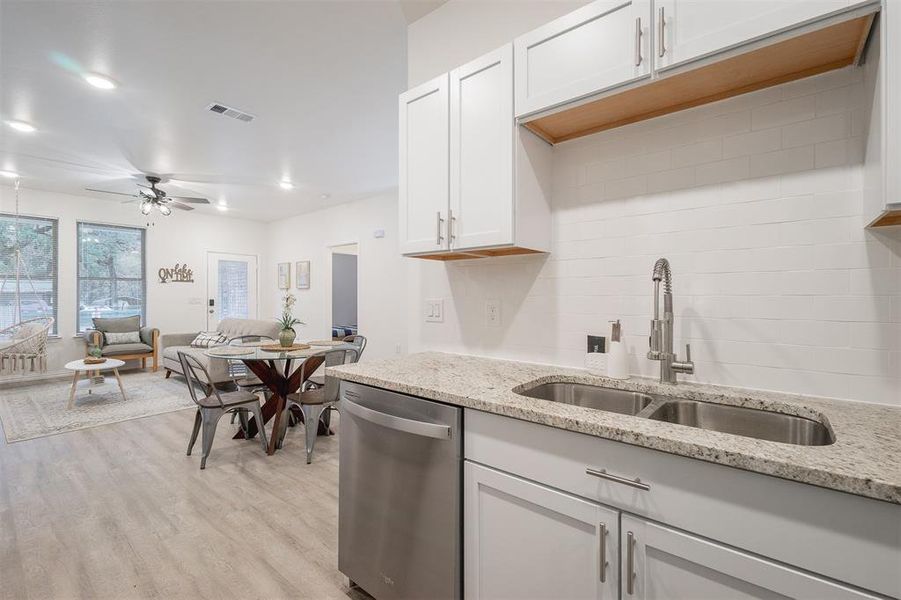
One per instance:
(177,274)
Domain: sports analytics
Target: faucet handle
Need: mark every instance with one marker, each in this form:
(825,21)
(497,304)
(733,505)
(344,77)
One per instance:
(687,352)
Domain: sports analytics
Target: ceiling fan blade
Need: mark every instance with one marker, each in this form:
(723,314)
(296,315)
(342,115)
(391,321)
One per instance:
(109,192)
(189,199)
(179,205)
(132,201)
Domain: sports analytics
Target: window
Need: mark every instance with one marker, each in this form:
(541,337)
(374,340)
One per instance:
(37,274)
(111,271)
(233,292)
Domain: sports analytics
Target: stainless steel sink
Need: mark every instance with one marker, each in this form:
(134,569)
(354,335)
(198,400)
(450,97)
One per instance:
(749,422)
(590,396)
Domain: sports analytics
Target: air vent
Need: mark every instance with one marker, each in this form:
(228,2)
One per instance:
(228,111)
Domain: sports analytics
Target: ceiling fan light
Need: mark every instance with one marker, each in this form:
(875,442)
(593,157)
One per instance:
(146,207)
(9,174)
(165,210)
(285,184)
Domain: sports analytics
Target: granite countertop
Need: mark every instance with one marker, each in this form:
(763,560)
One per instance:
(864,460)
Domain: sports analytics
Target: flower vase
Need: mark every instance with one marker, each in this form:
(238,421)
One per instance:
(286,337)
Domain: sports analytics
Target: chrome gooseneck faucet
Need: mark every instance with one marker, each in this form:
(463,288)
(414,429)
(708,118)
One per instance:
(661,340)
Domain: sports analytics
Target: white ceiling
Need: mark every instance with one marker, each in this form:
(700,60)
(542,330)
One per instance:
(321,77)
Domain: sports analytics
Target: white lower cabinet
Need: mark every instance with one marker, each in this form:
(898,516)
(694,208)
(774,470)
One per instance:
(659,563)
(525,540)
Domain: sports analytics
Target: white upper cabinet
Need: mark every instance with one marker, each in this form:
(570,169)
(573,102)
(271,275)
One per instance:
(481,152)
(597,47)
(423,172)
(659,563)
(690,29)
(524,540)
(472,184)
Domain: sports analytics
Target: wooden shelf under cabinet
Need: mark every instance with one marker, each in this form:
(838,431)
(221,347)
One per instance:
(809,53)
(479,253)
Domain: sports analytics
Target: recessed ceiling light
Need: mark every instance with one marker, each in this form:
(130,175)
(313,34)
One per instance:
(325,196)
(21,126)
(9,174)
(221,206)
(285,184)
(99,81)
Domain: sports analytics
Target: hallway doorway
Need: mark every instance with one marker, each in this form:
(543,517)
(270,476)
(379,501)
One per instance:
(344,292)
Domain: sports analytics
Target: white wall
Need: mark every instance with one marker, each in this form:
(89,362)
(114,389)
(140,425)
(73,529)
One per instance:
(181,238)
(756,201)
(461,30)
(382,306)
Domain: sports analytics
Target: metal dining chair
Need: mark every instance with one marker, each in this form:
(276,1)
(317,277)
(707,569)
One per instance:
(212,406)
(359,342)
(242,377)
(312,402)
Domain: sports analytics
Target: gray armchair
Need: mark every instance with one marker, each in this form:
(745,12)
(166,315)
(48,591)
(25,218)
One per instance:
(148,347)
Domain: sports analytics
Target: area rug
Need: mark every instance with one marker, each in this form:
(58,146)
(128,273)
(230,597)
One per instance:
(39,410)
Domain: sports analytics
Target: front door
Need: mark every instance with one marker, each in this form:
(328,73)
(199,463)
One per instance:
(231,288)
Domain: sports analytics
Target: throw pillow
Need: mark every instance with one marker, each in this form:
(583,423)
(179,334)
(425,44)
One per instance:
(127,337)
(117,324)
(207,339)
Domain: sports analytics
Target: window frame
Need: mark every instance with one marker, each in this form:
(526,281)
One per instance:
(54,331)
(79,278)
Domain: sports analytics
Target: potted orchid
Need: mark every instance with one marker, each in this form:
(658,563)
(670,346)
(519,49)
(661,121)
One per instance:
(287,335)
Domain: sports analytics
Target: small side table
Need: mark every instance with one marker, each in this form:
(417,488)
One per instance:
(79,366)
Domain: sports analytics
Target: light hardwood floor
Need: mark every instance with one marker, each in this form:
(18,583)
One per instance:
(119,511)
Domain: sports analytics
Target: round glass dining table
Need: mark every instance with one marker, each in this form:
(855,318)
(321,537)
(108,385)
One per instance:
(277,371)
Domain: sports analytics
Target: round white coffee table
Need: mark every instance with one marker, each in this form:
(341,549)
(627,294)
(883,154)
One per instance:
(80,367)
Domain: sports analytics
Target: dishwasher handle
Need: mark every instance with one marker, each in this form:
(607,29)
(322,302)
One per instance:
(422,428)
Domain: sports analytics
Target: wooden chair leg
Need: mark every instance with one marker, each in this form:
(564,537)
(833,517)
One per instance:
(168,373)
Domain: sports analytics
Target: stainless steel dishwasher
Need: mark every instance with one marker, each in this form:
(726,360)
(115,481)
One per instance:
(399,508)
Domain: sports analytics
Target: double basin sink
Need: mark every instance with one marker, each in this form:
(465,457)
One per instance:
(737,420)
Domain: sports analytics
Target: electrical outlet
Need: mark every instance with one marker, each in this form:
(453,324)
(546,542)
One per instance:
(434,310)
(493,313)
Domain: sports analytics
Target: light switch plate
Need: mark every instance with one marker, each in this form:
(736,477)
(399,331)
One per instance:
(434,310)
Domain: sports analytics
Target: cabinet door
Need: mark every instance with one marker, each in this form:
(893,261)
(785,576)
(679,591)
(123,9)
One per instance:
(666,564)
(692,29)
(524,540)
(423,169)
(481,152)
(600,46)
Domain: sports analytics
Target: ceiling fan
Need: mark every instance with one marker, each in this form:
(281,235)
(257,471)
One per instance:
(151,196)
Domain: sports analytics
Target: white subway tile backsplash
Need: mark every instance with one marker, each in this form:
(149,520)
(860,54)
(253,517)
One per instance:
(784,113)
(755,142)
(757,202)
(783,161)
(823,129)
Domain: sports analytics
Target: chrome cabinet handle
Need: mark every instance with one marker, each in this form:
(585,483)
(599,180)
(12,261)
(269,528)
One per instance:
(438,226)
(661,34)
(638,41)
(602,550)
(630,563)
(603,474)
(451,219)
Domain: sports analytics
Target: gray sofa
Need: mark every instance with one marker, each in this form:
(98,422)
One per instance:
(172,343)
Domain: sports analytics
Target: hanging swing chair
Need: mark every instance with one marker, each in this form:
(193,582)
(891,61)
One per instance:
(23,345)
